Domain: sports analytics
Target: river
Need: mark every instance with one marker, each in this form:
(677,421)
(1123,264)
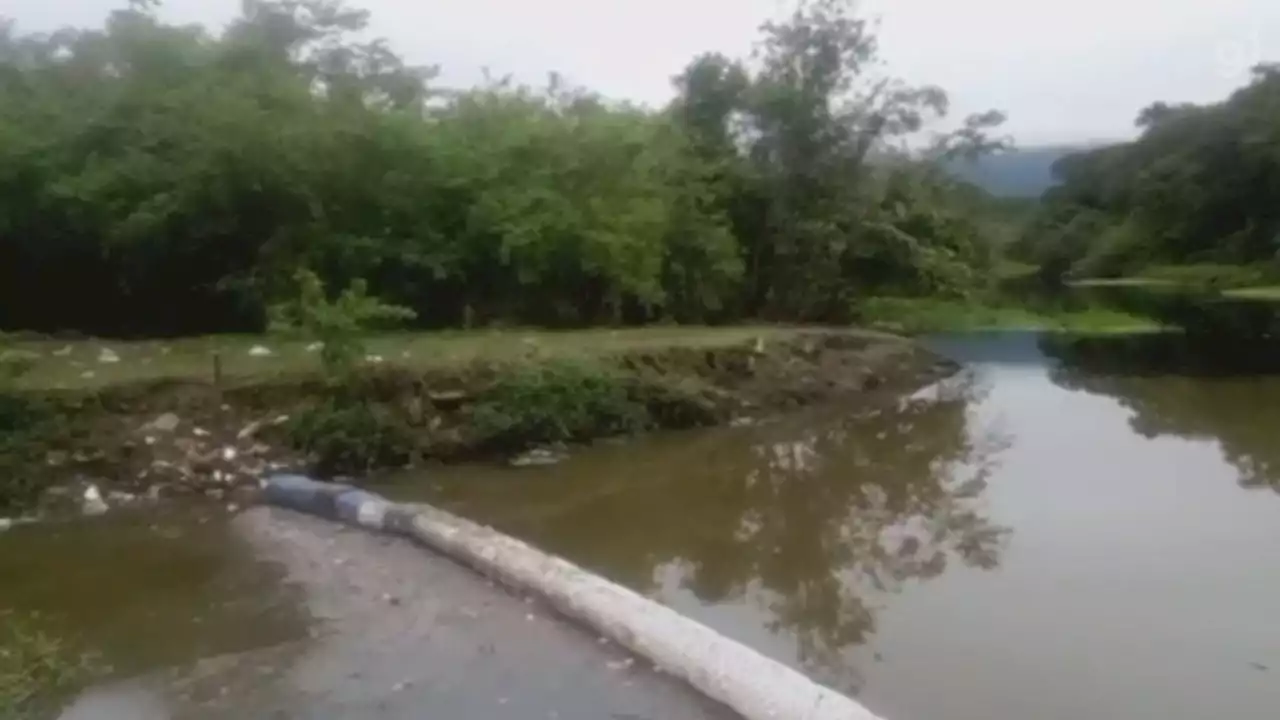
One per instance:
(1070,527)
(1073,527)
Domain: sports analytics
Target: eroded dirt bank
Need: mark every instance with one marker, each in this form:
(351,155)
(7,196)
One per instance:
(145,441)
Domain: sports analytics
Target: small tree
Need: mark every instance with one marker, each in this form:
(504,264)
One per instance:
(345,432)
(338,324)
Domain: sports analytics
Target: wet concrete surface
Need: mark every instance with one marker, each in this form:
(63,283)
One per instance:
(400,632)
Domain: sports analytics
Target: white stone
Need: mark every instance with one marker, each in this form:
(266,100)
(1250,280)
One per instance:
(200,432)
(107,355)
(315,347)
(229,454)
(5,524)
(260,351)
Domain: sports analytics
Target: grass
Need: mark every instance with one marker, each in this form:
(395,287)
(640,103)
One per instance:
(1132,282)
(923,315)
(75,365)
(1264,292)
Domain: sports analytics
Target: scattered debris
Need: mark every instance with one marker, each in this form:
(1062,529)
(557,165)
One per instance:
(538,457)
(167,422)
(91,502)
(249,430)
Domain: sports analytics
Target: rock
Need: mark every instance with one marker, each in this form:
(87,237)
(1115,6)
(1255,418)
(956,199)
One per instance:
(167,422)
(107,355)
(91,502)
(280,420)
(200,432)
(5,524)
(150,440)
(229,453)
(538,457)
(315,347)
(260,351)
(62,352)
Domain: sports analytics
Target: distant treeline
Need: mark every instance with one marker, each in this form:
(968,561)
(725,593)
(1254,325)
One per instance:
(161,179)
(1200,185)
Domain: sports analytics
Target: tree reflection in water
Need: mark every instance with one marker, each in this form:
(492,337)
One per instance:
(814,520)
(1225,390)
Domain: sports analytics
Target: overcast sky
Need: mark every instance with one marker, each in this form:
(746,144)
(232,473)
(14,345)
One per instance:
(1063,71)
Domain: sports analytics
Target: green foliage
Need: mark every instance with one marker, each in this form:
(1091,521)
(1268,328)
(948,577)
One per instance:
(930,315)
(179,177)
(1199,186)
(348,436)
(338,325)
(1211,276)
(36,670)
(557,402)
(25,424)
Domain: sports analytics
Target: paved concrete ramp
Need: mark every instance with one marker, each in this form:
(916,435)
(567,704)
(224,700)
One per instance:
(723,670)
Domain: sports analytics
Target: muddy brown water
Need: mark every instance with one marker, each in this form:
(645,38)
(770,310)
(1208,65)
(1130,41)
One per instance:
(1071,527)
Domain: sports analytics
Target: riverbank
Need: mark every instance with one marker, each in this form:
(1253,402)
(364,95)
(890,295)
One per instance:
(144,421)
(915,316)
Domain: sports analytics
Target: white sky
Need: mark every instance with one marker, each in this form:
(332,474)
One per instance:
(1063,71)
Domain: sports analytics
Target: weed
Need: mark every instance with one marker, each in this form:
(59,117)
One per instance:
(557,402)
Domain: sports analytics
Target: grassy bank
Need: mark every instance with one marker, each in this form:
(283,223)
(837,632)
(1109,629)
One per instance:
(148,418)
(923,315)
(79,365)
(1257,281)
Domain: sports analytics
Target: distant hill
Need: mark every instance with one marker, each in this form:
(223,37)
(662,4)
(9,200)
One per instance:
(1018,173)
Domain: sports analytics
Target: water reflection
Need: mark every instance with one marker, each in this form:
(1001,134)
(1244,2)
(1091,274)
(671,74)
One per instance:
(1226,390)
(813,520)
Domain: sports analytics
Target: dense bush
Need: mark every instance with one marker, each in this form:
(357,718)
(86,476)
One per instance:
(556,402)
(178,178)
(350,436)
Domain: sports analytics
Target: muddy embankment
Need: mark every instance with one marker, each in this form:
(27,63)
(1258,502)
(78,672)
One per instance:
(150,441)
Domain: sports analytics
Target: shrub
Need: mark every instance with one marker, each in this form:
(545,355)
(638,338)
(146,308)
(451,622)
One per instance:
(336,324)
(557,402)
(36,670)
(347,435)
